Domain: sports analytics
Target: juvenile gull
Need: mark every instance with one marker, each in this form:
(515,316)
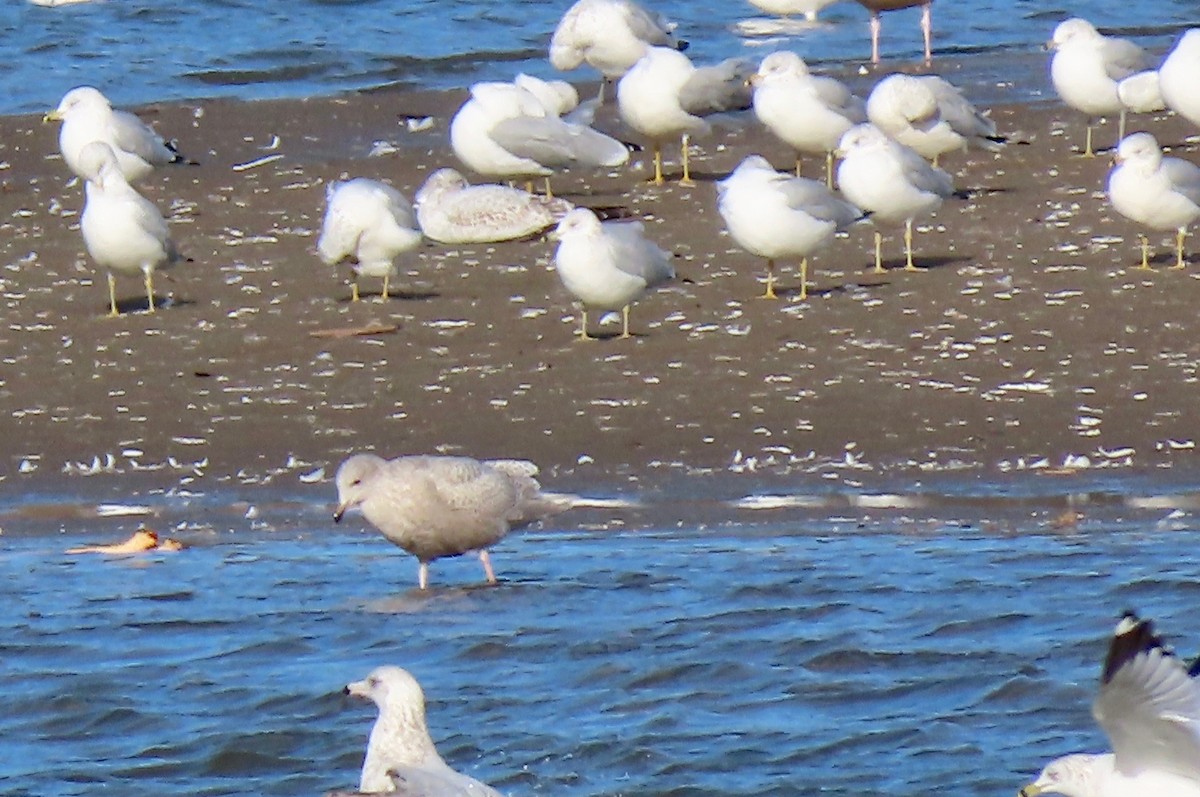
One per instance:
(786,8)
(1157,192)
(665,96)
(87,116)
(1086,68)
(122,230)
(876,7)
(435,507)
(607,265)
(775,216)
(369,224)
(1177,77)
(929,115)
(809,113)
(452,211)
(891,182)
(401,756)
(1149,707)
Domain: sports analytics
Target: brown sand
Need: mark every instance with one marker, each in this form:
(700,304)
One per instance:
(1029,336)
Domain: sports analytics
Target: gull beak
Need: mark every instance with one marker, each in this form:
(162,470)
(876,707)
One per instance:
(52,116)
(554,235)
(338,514)
(1032,790)
(754,80)
(1049,45)
(356,689)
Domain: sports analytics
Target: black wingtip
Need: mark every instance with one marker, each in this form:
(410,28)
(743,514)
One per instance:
(1132,636)
(682,45)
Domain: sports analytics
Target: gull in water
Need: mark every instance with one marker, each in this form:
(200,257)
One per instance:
(809,113)
(607,265)
(774,216)
(876,7)
(610,36)
(1149,707)
(87,116)
(1157,192)
(401,756)
(1086,68)
(786,8)
(452,211)
(435,507)
(929,115)
(505,131)
(891,182)
(1177,77)
(122,230)
(368,223)
(664,95)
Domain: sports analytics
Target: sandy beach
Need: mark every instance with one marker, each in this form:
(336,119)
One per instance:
(1028,341)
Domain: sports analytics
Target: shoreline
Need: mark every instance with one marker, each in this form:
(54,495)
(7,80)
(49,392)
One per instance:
(1028,340)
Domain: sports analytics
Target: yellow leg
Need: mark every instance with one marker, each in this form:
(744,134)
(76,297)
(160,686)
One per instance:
(908,261)
(112,297)
(686,180)
(1180,237)
(878,252)
(354,290)
(549,193)
(583,335)
(1087,150)
(149,280)
(383,297)
(935,161)
(529,186)
(770,293)
(803,279)
(658,175)
(1145,266)
(625,322)
(797,164)
(828,170)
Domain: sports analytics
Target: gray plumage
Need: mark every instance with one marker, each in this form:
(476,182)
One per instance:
(719,88)
(453,211)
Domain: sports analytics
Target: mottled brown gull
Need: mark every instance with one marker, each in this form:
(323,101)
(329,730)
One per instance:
(369,224)
(401,756)
(452,211)
(435,507)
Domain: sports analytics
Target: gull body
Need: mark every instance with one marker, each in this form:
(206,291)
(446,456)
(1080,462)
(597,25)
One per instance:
(775,216)
(929,115)
(607,265)
(369,224)
(1177,77)
(807,112)
(609,36)
(891,182)
(87,116)
(877,7)
(122,230)
(786,8)
(452,211)
(435,507)
(1159,192)
(400,749)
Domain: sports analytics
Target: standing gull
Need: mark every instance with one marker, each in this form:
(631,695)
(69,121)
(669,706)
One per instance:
(1157,192)
(452,211)
(607,265)
(435,507)
(929,115)
(1086,68)
(664,96)
(775,216)
(809,113)
(401,755)
(876,7)
(87,116)
(368,223)
(122,230)
(1149,707)
(1177,77)
(891,182)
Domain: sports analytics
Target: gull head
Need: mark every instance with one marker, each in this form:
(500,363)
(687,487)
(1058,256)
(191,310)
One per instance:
(1071,775)
(777,66)
(863,136)
(99,164)
(751,166)
(442,182)
(79,100)
(390,688)
(579,222)
(1074,29)
(353,481)
(1140,150)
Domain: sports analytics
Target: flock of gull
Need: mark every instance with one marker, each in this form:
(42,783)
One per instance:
(889,146)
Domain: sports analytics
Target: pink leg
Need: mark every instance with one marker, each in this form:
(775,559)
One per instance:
(875,26)
(423,576)
(486,560)
(927,29)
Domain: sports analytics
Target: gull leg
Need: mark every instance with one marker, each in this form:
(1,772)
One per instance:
(486,561)
(549,193)
(927,30)
(354,289)
(423,576)
(1180,237)
(935,160)
(770,294)
(686,180)
(803,279)
(1087,150)
(908,264)
(149,280)
(383,297)
(875,26)
(797,164)
(112,296)
(625,322)
(828,170)
(658,175)
(1121,125)
(529,186)
(1145,266)
(583,335)
(878,252)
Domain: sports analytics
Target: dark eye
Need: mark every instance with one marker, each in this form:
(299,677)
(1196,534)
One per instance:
(374,682)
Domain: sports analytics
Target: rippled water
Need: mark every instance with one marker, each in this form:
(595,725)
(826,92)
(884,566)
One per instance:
(143,50)
(869,651)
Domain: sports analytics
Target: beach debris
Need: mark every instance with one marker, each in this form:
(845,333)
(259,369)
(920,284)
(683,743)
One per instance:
(254,164)
(142,540)
(373,328)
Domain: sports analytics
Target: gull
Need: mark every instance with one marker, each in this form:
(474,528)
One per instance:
(610,36)
(1086,68)
(1149,707)
(607,265)
(435,507)
(122,230)
(785,8)
(1177,77)
(891,182)
(88,116)
(809,113)
(929,115)
(664,95)
(400,751)
(774,216)
(505,131)
(878,6)
(1157,192)
(368,223)
(452,211)
(1141,92)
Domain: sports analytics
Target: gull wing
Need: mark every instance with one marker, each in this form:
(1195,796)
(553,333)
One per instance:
(557,144)
(1122,58)
(720,88)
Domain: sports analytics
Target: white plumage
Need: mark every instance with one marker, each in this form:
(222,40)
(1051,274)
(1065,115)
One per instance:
(369,224)
(608,35)
(786,8)
(1178,77)
(1155,191)
(929,115)
(453,211)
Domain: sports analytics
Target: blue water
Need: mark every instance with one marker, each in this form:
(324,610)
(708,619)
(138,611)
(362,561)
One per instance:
(142,50)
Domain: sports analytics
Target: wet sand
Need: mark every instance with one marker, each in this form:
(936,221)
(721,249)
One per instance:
(1029,340)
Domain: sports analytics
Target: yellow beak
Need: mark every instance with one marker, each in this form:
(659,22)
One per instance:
(1032,790)
(53,116)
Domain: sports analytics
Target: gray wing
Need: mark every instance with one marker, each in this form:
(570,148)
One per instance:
(650,28)
(922,174)
(1122,58)
(637,255)
(133,135)
(817,201)
(1185,176)
(720,88)
(834,94)
(557,144)
(958,112)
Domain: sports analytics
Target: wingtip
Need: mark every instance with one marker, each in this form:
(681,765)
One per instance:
(1131,637)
